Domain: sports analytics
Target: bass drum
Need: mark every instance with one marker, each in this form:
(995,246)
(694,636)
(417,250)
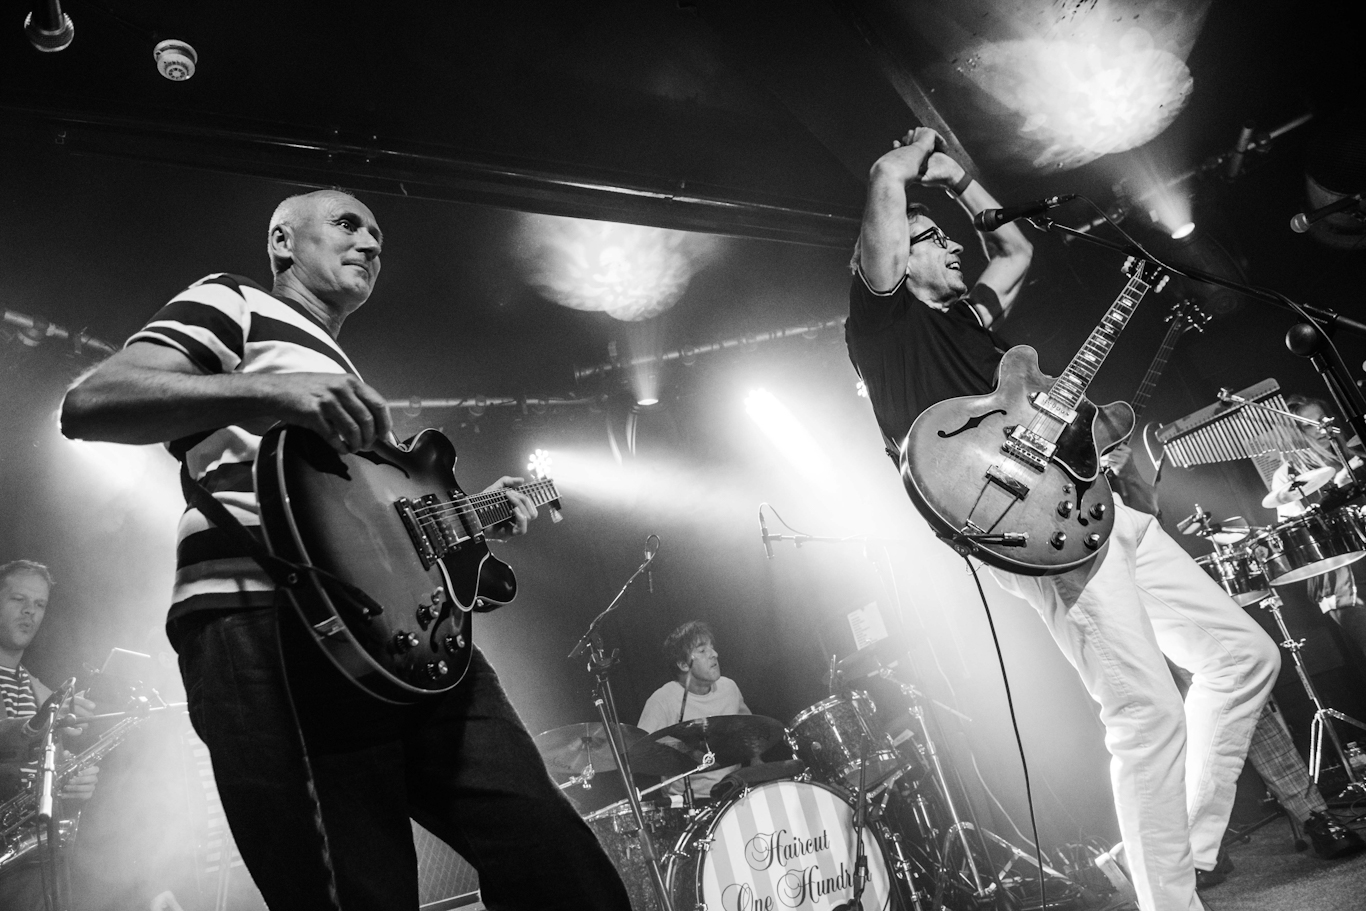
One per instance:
(784,844)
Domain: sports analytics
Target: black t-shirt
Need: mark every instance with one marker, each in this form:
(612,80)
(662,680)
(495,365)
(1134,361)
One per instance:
(911,355)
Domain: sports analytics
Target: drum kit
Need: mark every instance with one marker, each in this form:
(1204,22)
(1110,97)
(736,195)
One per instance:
(1248,561)
(863,817)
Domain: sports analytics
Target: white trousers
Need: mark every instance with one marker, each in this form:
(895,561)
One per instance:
(1174,767)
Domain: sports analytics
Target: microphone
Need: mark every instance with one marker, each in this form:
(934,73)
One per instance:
(1301,222)
(1235,158)
(763,533)
(991,219)
(48,28)
(650,561)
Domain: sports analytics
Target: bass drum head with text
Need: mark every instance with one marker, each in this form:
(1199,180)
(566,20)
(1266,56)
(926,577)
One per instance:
(782,845)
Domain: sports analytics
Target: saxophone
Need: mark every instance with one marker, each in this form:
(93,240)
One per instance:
(19,815)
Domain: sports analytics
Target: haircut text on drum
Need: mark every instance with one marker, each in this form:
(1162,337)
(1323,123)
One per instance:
(778,846)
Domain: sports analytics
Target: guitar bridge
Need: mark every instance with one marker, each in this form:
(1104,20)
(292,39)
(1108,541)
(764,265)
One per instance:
(1015,488)
(427,532)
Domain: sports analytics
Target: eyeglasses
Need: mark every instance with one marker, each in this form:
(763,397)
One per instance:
(934,234)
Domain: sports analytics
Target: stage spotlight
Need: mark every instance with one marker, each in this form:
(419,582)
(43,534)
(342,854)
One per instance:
(631,272)
(1185,230)
(647,401)
(861,388)
(539,463)
(788,435)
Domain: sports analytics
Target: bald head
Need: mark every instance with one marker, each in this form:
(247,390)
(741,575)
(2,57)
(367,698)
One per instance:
(293,212)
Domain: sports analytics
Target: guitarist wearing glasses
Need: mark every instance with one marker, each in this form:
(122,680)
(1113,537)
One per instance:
(918,334)
(319,779)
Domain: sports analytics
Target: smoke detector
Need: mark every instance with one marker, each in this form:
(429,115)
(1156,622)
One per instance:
(175,59)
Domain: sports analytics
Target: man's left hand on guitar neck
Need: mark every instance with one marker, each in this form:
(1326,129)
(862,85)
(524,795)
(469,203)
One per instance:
(523,510)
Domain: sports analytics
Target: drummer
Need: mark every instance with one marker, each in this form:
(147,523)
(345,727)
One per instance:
(1335,592)
(698,690)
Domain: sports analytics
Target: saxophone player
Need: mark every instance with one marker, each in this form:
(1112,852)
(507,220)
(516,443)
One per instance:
(24,590)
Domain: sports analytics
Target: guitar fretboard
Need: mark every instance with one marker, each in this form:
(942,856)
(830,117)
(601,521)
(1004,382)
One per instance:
(1072,385)
(494,506)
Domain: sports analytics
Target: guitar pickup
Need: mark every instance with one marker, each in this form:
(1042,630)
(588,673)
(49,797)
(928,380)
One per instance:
(1056,409)
(1015,488)
(1022,452)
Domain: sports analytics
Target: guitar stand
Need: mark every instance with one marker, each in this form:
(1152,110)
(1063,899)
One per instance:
(1323,715)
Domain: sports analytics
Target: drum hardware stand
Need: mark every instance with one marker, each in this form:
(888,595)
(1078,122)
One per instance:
(600,665)
(1323,715)
(860,808)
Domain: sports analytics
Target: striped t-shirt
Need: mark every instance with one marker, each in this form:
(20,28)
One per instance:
(16,689)
(229,324)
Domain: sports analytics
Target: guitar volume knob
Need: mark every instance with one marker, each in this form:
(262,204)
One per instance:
(1092,541)
(1065,508)
(1097,510)
(404,642)
(436,669)
(1058,539)
(453,642)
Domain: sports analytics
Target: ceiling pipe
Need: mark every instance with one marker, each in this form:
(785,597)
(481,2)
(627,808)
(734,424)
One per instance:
(374,167)
(688,355)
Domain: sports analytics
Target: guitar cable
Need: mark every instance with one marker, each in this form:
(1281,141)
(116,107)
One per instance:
(1015,728)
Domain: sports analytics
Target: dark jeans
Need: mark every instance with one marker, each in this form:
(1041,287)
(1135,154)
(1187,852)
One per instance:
(461,764)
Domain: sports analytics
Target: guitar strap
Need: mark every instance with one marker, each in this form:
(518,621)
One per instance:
(283,573)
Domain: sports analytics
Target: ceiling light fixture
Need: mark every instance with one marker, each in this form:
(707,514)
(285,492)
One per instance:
(175,59)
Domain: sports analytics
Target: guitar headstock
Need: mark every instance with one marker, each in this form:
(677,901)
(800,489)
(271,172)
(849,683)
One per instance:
(1187,314)
(1150,273)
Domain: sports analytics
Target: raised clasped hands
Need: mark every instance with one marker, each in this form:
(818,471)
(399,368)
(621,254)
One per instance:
(922,152)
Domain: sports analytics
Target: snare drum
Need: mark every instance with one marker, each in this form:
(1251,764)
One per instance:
(1310,545)
(784,844)
(829,736)
(1238,573)
(615,826)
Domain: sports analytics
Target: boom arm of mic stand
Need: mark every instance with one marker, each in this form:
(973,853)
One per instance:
(1325,320)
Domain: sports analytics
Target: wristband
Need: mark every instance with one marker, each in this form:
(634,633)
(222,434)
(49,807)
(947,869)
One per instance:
(960,186)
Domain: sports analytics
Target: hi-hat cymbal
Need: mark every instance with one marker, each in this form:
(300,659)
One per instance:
(733,738)
(1229,531)
(1297,486)
(567,751)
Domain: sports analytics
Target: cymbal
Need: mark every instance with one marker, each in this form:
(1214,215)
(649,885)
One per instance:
(567,751)
(1298,485)
(650,757)
(733,738)
(868,660)
(1230,531)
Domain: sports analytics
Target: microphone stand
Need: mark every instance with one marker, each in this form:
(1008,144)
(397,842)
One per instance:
(1306,339)
(860,853)
(600,665)
(47,796)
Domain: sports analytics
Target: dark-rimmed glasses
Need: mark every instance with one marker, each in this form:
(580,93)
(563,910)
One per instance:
(934,234)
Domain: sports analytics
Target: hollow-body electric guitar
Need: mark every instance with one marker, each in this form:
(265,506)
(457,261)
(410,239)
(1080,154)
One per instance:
(399,550)
(1013,477)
